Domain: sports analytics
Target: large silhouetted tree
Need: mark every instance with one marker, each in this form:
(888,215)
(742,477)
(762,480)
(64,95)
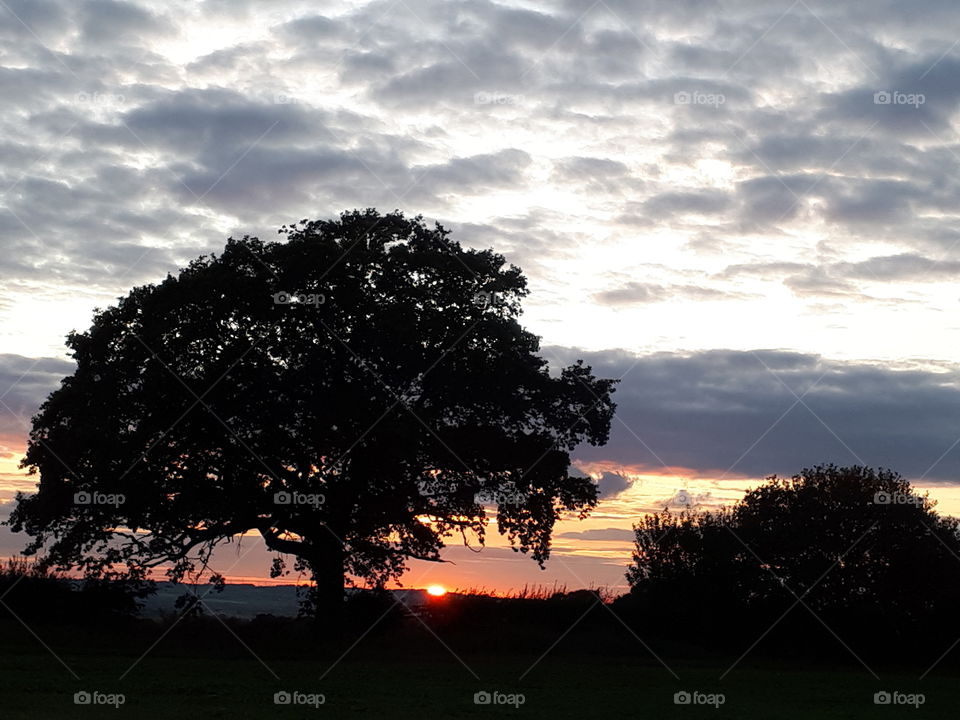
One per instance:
(355,395)
(861,549)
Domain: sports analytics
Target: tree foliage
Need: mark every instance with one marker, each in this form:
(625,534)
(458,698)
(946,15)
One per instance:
(346,393)
(859,547)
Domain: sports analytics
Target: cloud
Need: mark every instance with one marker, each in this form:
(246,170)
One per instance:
(905,266)
(611,484)
(600,535)
(24,384)
(470,174)
(248,129)
(701,202)
(908,99)
(772,200)
(595,174)
(845,278)
(817,282)
(135,139)
(716,412)
(107,20)
(763,412)
(873,202)
(632,293)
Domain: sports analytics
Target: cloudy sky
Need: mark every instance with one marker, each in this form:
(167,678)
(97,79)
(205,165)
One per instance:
(745,210)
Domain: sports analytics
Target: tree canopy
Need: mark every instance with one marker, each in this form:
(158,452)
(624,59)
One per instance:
(356,394)
(856,548)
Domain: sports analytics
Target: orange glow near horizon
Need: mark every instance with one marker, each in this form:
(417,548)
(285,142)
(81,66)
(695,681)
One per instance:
(591,552)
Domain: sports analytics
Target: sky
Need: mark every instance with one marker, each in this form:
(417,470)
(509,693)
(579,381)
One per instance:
(746,211)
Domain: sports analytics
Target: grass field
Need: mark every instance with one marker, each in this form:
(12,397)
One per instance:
(423,679)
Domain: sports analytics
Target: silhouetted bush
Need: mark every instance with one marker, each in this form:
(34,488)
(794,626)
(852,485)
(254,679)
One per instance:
(32,591)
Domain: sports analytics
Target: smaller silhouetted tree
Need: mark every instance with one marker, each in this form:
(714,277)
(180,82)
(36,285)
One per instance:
(865,553)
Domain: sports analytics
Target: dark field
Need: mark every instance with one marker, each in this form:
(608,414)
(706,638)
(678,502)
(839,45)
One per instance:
(402,670)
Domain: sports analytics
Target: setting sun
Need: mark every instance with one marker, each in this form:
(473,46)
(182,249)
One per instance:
(437,590)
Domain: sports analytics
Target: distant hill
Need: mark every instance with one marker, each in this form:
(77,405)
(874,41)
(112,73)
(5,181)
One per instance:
(245,600)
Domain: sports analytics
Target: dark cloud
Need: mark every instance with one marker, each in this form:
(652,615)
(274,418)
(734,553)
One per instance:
(24,384)
(874,202)
(112,20)
(912,99)
(906,266)
(600,535)
(470,174)
(519,27)
(612,484)
(818,282)
(199,122)
(132,140)
(310,28)
(34,20)
(772,200)
(841,278)
(768,270)
(764,412)
(700,202)
(739,413)
(632,293)
(574,168)
(596,176)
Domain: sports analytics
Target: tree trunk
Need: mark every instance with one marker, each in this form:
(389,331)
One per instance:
(327,566)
